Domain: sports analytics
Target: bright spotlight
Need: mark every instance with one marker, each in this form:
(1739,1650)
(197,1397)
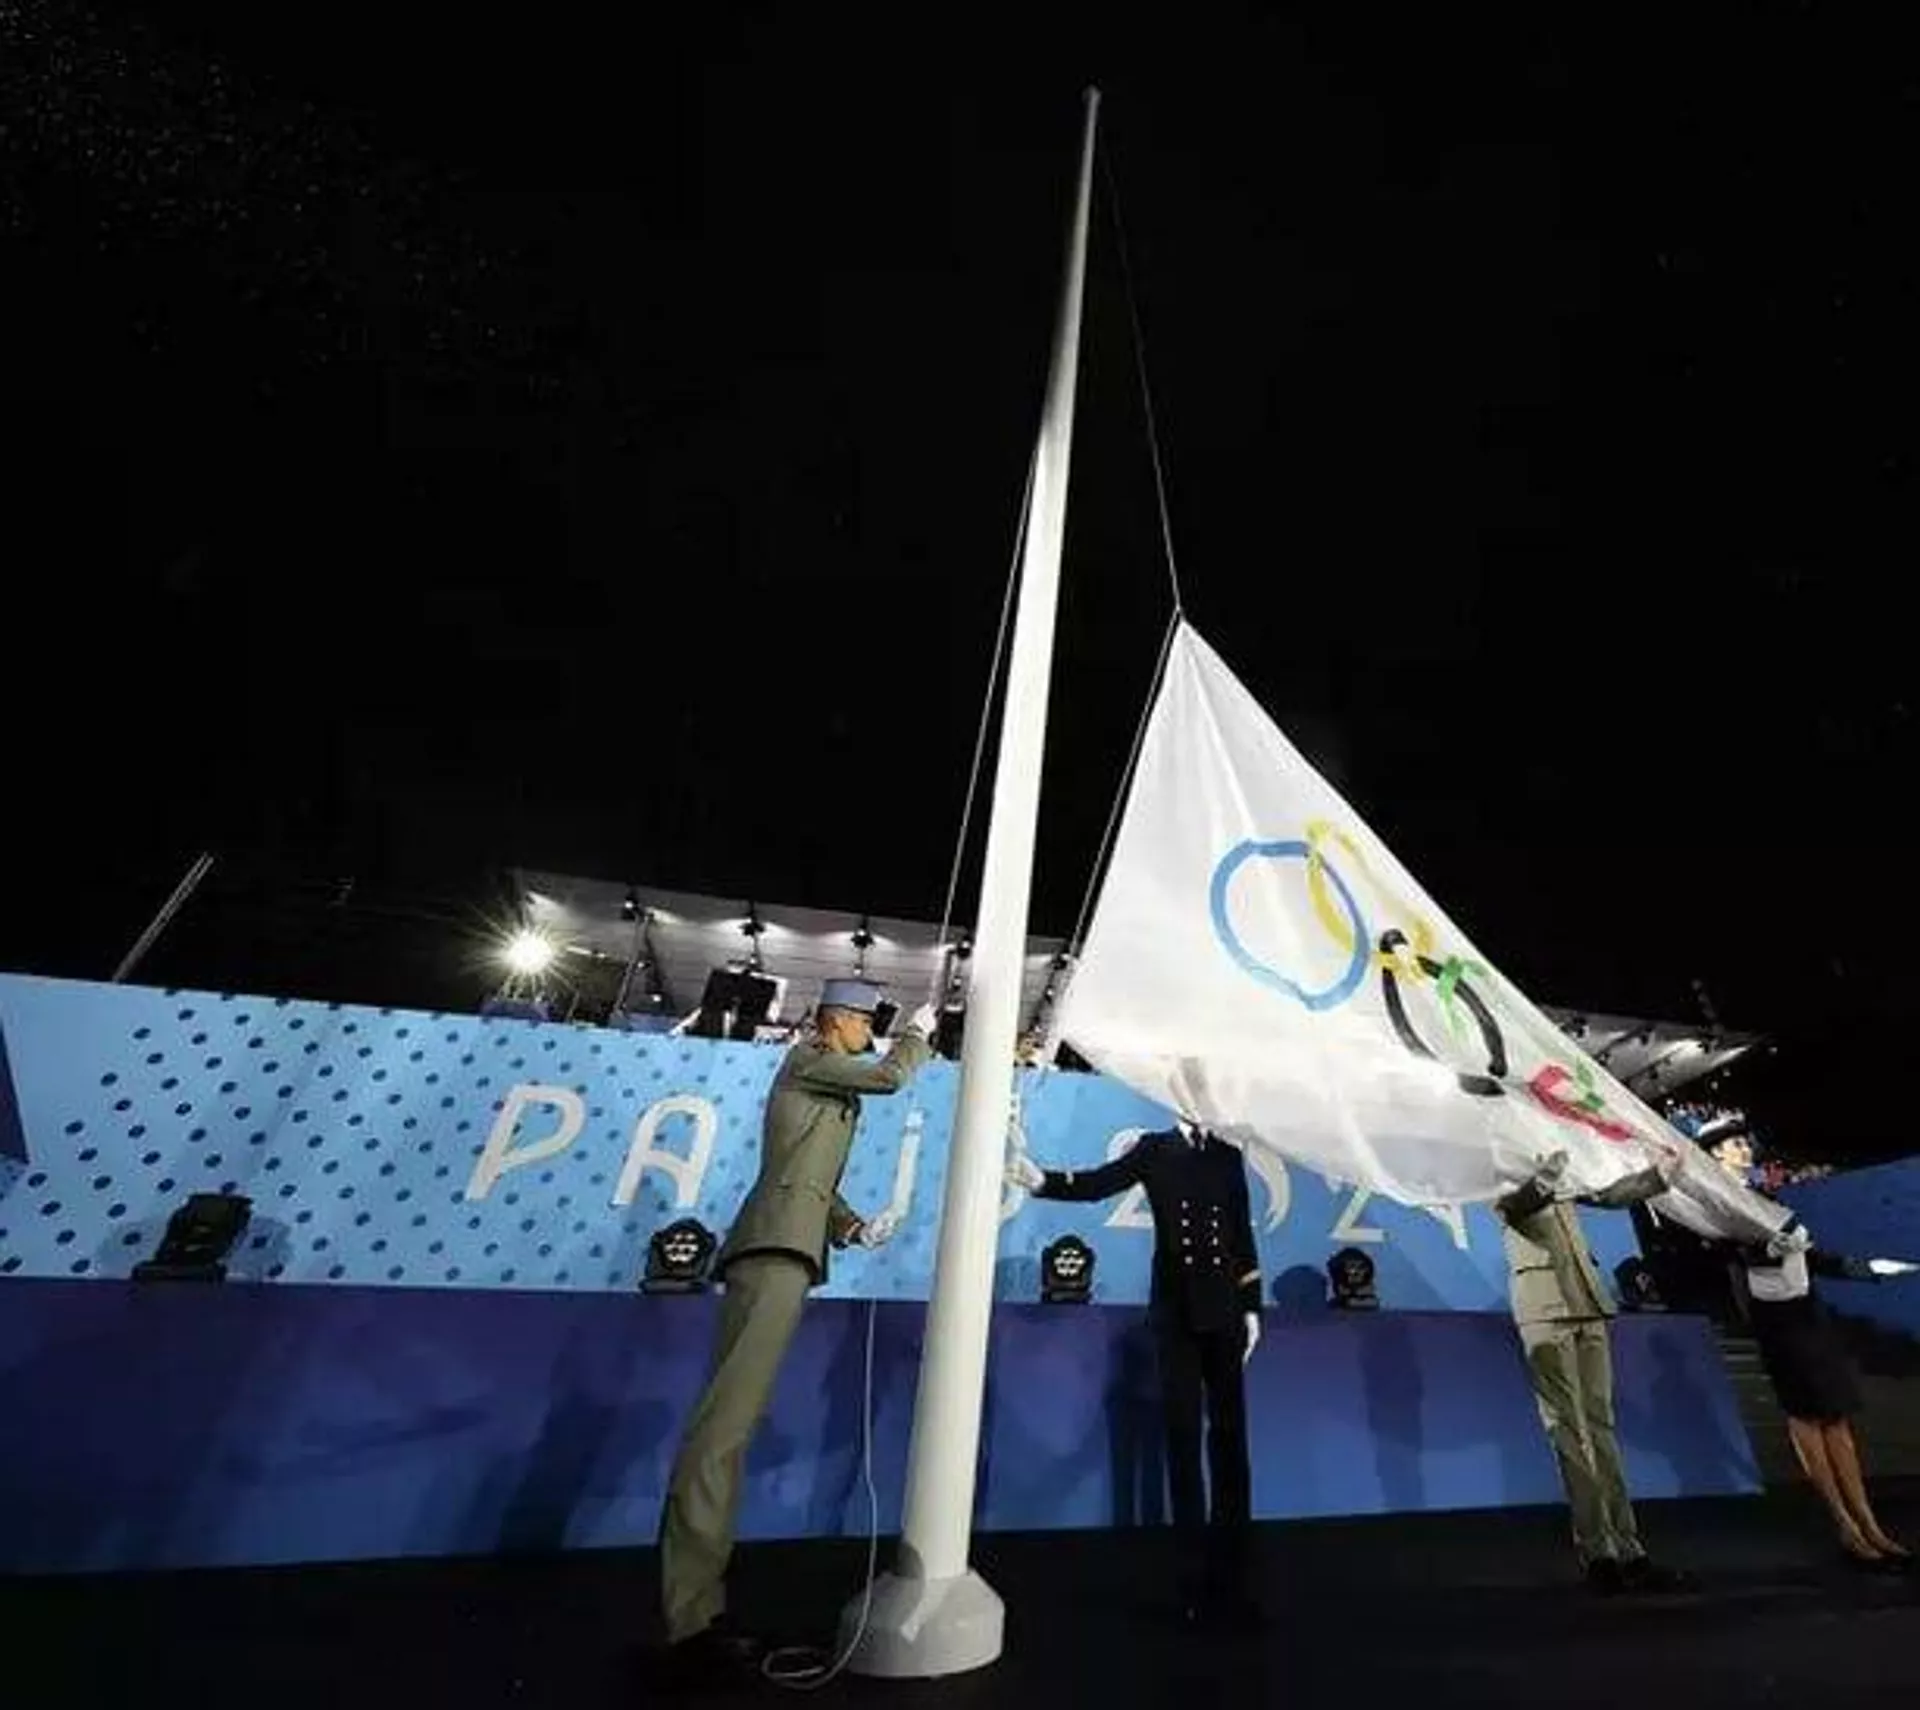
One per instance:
(528,953)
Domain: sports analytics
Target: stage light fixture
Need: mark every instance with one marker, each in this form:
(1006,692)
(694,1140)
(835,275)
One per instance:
(1066,1272)
(753,927)
(735,1003)
(1638,1287)
(678,1258)
(199,1236)
(528,952)
(1350,1272)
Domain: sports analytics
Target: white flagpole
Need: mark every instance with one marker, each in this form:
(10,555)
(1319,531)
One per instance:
(932,1616)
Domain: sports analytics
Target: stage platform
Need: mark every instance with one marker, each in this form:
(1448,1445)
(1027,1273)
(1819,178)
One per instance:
(1476,1609)
(181,1425)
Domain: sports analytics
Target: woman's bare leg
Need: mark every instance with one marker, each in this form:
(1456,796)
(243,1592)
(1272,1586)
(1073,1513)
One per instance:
(1843,1456)
(1810,1444)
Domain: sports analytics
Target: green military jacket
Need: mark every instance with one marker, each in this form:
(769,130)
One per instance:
(795,1205)
(1553,1277)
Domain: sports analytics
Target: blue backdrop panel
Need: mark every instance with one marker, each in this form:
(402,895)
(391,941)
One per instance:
(395,1148)
(1868,1214)
(182,1426)
(13,1137)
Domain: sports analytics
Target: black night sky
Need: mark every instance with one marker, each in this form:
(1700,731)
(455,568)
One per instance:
(593,440)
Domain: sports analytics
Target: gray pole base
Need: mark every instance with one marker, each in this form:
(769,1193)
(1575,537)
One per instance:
(918,1629)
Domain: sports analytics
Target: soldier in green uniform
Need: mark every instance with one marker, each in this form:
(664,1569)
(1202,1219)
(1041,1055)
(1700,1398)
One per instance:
(775,1252)
(1561,1307)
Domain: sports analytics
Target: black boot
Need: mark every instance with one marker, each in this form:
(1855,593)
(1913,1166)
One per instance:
(1646,1578)
(1226,1603)
(1233,1612)
(716,1656)
(1605,1577)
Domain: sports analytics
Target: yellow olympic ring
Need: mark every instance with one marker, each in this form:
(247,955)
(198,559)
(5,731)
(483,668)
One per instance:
(1403,962)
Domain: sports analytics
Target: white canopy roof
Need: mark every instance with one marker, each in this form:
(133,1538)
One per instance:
(680,937)
(1654,1058)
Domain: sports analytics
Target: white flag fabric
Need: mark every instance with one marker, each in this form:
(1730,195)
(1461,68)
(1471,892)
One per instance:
(1259,962)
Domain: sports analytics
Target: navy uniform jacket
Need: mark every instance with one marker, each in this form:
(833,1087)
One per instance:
(1206,1270)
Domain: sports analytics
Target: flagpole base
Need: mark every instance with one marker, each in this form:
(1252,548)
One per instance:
(920,1629)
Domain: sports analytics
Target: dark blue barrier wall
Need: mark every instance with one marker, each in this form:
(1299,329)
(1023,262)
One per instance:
(1869,1214)
(176,1426)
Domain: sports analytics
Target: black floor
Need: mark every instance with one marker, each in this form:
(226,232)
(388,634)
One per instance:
(1474,1609)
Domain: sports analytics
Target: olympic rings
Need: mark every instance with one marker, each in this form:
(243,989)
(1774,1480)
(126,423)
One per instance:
(1399,955)
(1481,1086)
(1590,1111)
(1355,933)
(1321,831)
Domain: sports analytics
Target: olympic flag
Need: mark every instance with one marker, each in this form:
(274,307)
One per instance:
(1260,962)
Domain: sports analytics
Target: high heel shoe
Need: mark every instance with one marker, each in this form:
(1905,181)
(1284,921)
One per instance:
(1872,1564)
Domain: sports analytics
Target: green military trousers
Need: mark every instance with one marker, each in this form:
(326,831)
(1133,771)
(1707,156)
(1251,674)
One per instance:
(764,1296)
(1571,1367)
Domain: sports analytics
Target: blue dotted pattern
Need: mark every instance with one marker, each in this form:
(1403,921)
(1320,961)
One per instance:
(356,1132)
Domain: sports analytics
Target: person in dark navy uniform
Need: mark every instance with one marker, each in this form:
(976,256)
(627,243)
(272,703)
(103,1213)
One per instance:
(1205,1313)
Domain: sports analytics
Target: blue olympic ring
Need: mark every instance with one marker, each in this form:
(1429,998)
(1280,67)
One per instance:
(1231,863)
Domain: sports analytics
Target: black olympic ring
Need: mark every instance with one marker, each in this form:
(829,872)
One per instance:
(1481,1086)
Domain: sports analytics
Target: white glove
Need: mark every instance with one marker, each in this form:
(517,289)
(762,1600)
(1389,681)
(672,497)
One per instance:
(1253,1336)
(925,1022)
(1550,1173)
(1795,1240)
(878,1231)
(1023,1172)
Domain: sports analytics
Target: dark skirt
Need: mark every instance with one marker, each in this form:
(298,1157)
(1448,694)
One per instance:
(1809,1369)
